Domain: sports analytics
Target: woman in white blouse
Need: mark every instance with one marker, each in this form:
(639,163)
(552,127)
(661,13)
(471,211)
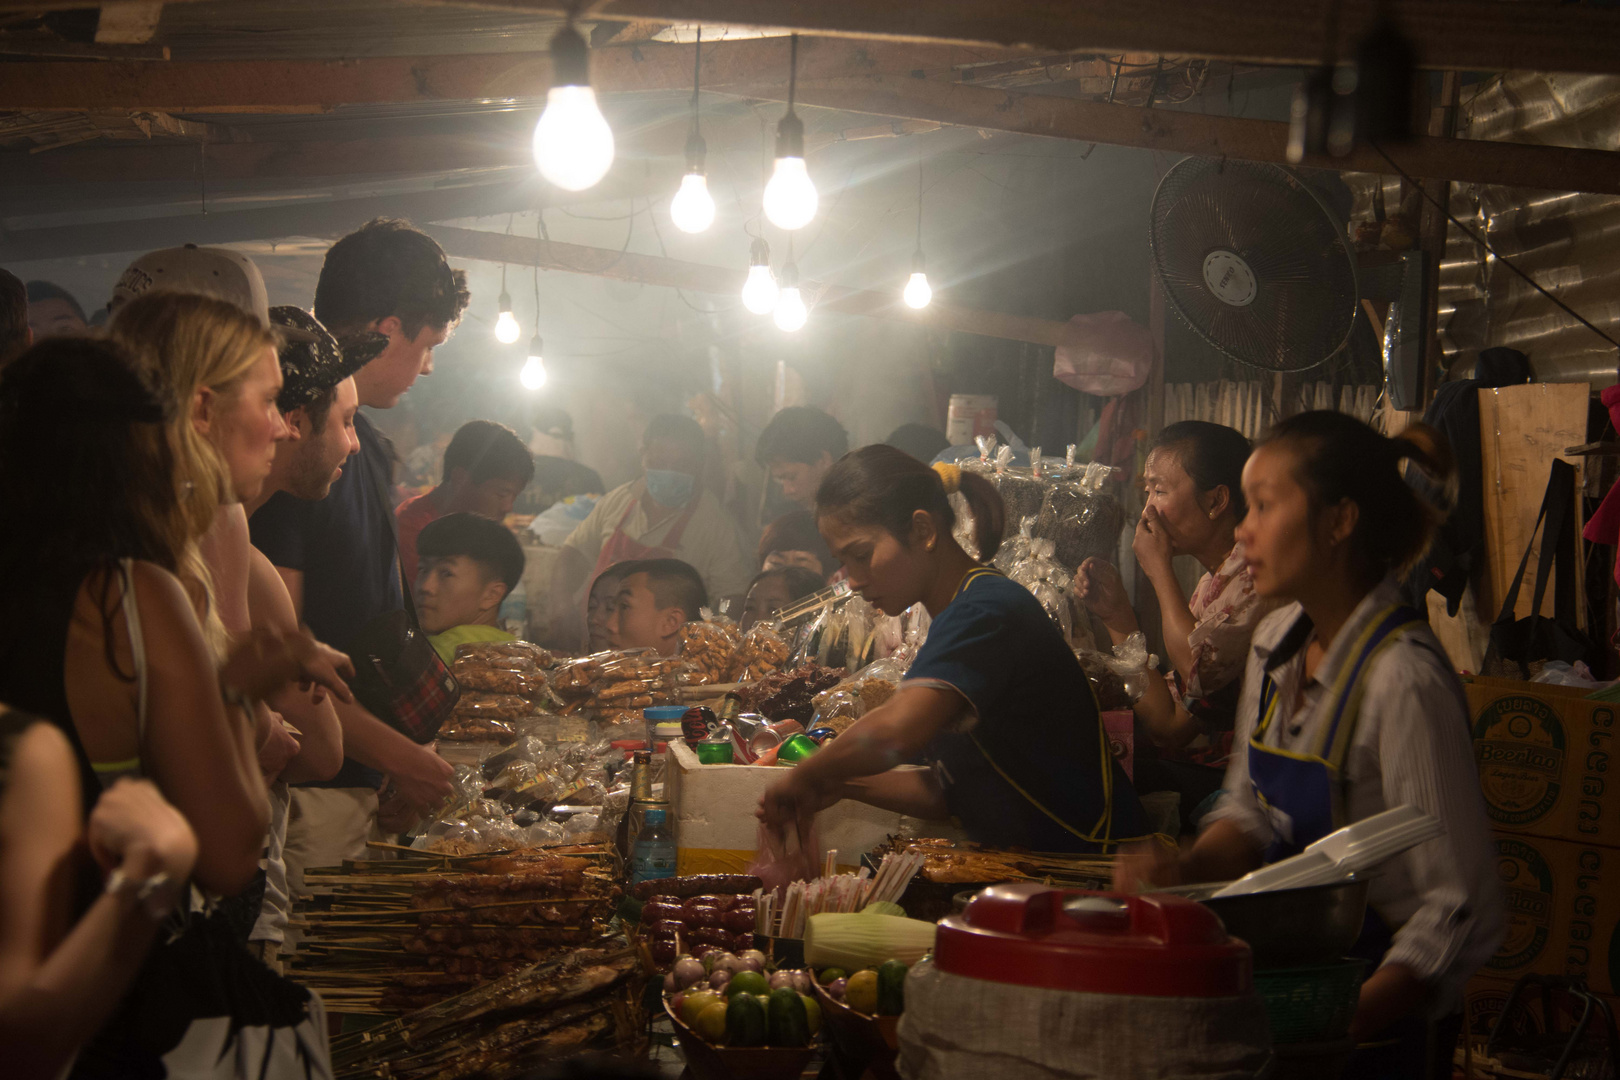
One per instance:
(1350,707)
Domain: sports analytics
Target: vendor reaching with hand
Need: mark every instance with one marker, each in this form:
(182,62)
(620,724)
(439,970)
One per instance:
(995,701)
(1349,708)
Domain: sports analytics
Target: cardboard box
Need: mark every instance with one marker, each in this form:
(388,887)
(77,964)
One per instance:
(716,831)
(1563,910)
(1486,998)
(1544,754)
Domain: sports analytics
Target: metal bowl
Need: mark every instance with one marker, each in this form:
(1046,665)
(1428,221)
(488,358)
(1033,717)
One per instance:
(1292,927)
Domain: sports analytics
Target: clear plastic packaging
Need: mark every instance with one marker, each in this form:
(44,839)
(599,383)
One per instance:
(710,647)
(1081,517)
(762,652)
(1047,581)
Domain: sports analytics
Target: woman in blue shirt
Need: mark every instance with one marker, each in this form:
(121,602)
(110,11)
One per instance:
(996,701)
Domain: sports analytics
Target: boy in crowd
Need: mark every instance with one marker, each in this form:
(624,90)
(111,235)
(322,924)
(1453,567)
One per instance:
(338,555)
(469,564)
(657,597)
(797,448)
(486,467)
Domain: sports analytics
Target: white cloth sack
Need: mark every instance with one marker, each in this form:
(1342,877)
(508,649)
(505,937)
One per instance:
(957,1028)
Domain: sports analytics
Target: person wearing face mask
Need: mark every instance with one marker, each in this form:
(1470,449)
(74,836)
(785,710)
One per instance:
(665,514)
(1350,707)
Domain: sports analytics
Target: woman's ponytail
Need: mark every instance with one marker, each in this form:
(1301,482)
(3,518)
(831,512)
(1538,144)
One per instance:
(988,512)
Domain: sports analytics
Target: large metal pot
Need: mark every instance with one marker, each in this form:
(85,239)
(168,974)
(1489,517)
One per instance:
(1291,927)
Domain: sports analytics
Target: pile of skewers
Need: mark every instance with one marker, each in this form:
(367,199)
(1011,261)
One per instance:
(589,999)
(389,936)
(785,912)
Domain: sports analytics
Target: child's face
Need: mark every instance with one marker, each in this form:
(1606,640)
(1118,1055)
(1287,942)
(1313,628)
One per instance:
(767,597)
(454,591)
(636,621)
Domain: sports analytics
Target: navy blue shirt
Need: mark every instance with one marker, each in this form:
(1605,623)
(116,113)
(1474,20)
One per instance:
(344,546)
(1034,769)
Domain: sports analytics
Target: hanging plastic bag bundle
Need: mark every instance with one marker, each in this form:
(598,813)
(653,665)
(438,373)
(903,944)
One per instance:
(1081,517)
(1047,581)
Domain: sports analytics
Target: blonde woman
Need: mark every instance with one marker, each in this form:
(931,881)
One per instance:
(218,367)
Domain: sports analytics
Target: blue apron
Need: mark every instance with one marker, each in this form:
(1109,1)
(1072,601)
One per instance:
(1303,796)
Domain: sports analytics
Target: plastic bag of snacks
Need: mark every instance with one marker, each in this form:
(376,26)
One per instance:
(1047,580)
(1080,517)
(1022,490)
(711,648)
(762,652)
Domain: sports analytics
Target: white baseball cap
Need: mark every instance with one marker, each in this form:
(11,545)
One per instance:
(210,271)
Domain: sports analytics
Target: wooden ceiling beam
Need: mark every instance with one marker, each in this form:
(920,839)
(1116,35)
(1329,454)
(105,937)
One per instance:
(1459,35)
(723,281)
(1554,168)
(273,85)
(874,78)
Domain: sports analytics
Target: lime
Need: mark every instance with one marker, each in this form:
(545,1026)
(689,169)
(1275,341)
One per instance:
(747,982)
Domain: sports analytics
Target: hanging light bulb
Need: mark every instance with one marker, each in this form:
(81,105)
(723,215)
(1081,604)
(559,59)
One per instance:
(692,209)
(506,326)
(790,310)
(918,292)
(573,145)
(759,291)
(533,375)
(790,196)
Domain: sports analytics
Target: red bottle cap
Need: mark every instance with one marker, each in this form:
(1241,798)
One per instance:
(1094,942)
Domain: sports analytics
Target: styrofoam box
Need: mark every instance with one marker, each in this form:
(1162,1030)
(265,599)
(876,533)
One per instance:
(716,831)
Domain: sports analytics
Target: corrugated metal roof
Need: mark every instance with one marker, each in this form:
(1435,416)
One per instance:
(1570,243)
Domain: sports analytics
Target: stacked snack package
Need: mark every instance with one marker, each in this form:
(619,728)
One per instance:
(762,652)
(503,685)
(710,647)
(862,692)
(613,687)
(1080,516)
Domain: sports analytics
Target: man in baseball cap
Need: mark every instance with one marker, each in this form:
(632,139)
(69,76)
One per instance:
(210,271)
(318,399)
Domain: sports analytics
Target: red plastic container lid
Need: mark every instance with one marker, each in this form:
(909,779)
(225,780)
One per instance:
(1093,942)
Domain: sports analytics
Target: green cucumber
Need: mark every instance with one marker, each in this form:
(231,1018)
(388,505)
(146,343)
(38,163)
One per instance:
(745,1021)
(891,999)
(788,1024)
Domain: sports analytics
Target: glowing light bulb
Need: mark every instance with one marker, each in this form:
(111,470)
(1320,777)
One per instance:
(506,327)
(790,197)
(533,375)
(759,291)
(573,145)
(918,292)
(791,314)
(790,311)
(692,208)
